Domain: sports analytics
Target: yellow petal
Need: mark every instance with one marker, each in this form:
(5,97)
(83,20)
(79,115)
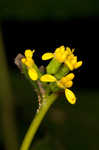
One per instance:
(69,65)
(47,56)
(29,62)
(23,60)
(70,96)
(29,53)
(74,60)
(73,50)
(60,84)
(69,84)
(78,64)
(60,54)
(48,78)
(32,74)
(60,49)
(63,80)
(70,76)
(69,51)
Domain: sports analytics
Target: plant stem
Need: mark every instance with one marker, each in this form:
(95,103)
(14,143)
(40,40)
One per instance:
(47,102)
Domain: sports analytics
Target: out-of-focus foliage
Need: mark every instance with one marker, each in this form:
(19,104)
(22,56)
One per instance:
(42,9)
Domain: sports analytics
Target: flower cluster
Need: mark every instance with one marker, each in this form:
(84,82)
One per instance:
(65,56)
(57,72)
(29,62)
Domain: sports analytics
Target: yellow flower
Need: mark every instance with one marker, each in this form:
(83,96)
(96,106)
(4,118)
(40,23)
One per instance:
(29,62)
(59,55)
(64,83)
(29,53)
(71,60)
(66,56)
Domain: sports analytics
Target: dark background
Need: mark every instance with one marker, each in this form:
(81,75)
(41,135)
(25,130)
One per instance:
(79,33)
(44,26)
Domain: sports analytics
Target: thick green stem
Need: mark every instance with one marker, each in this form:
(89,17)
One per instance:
(37,120)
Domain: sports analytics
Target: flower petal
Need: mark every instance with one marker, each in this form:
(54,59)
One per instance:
(60,84)
(23,60)
(74,60)
(70,52)
(67,78)
(28,62)
(29,53)
(32,74)
(78,64)
(70,96)
(69,65)
(48,78)
(60,54)
(69,84)
(47,56)
(60,49)
(70,76)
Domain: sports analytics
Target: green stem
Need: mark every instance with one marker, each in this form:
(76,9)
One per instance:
(47,102)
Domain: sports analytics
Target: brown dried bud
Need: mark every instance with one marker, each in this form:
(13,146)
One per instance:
(18,62)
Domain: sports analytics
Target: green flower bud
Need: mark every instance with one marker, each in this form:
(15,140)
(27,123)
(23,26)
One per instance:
(53,66)
(62,72)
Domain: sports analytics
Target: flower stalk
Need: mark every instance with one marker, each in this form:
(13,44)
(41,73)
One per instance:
(47,102)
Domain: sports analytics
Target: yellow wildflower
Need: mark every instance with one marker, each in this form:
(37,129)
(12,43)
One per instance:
(29,62)
(65,83)
(71,60)
(59,55)
(66,56)
(29,53)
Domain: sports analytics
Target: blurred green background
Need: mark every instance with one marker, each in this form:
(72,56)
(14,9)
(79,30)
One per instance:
(38,24)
